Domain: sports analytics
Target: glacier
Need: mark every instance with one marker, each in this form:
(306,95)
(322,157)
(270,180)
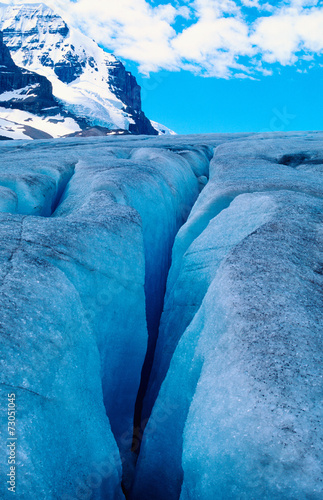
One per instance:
(83,224)
(161,312)
(239,349)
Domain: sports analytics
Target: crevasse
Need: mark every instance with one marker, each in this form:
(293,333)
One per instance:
(234,384)
(86,228)
(221,371)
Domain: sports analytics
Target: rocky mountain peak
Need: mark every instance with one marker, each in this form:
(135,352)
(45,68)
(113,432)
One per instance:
(88,82)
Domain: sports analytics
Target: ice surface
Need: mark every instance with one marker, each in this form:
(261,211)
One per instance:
(84,223)
(87,229)
(66,281)
(240,342)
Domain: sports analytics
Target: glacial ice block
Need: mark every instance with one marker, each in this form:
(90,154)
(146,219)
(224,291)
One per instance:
(237,369)
(86,233)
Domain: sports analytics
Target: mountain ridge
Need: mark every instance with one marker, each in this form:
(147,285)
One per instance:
(88,83)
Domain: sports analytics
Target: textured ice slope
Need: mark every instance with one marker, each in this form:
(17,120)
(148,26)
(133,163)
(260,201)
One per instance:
(240,342)
(87,229)
(83,225)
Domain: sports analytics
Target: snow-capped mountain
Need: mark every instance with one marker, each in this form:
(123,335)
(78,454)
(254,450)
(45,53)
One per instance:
(28,109)
(88,82)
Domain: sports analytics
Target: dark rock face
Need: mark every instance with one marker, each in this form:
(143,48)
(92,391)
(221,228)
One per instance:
(128,91)
(5,57)
(34,91)
(125,84)
(68,70)
(142,125)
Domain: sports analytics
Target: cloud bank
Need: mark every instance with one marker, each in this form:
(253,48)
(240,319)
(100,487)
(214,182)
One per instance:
(221,38)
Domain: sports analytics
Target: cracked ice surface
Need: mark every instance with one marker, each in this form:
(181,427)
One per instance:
(86,234)
(86,231)
(238,365)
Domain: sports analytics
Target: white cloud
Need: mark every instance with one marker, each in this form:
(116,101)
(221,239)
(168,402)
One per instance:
(133,30)
(280,37)
(214,44)
(218,38)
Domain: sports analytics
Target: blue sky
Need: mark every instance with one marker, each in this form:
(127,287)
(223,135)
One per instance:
(286,94)
(187,103)
(215,65)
